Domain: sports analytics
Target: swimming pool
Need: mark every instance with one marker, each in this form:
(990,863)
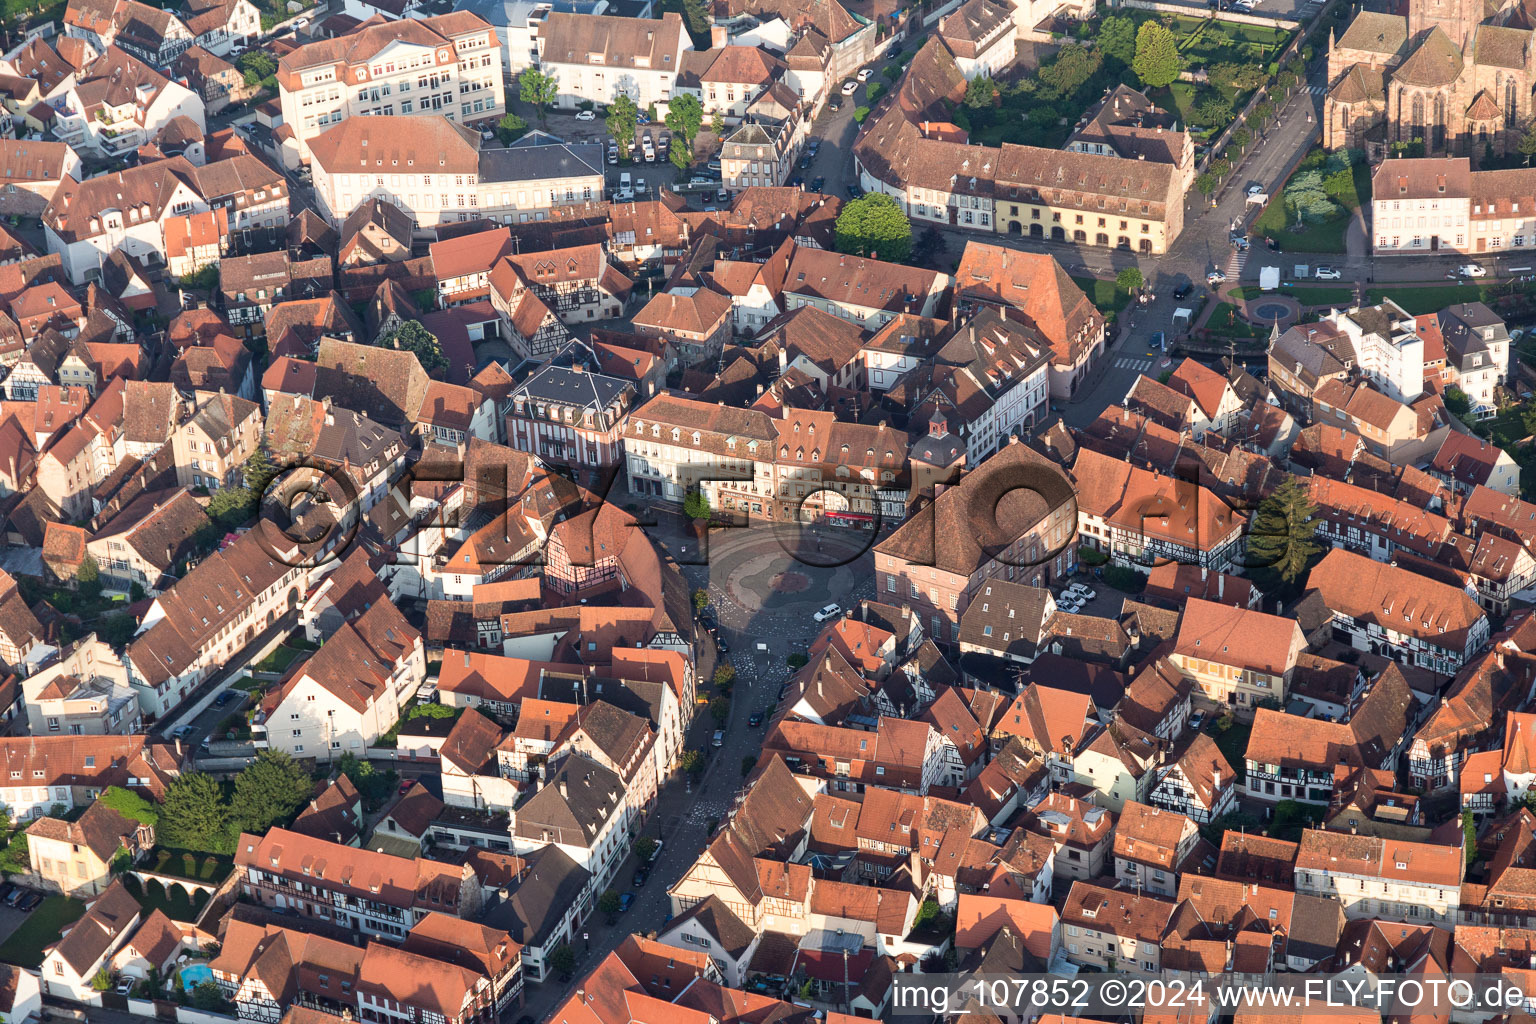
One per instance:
(194,975)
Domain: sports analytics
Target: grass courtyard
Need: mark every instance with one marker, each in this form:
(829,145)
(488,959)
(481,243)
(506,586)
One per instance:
(25,946)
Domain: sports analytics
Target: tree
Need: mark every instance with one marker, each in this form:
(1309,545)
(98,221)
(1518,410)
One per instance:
(685,116)
(700,601)
(129,804)
(874,226)
(860,114)
(101,981)
(511,128)
(372,784)
(692,762)
(1117,38)
(796,661)
(257,66)
(269,790)
(413,337)
(1469,835)
(1238,77)
(1157,62)
(1526,147)
(680,157)
(747,764)
(979,92)
(1240,137)
(623,118)
(207,996)
(1128,279)
(563,960)
(1220,166)
(88,576)
(1457,402)
(725,674)
(720,710)
(1280,541)
(539,89)
(14,859)
(717,123)
(1207,183)
(193,815)
(1212,112)
(696,505)
(1262,112)
(645,848)
(608,903)
(1072,69)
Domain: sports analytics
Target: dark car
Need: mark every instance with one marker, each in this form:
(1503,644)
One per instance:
(755,718)
(642,875)
(6,890)
(835,103)
(626,900)
(1183,290)
(855,192)
(797,182)
(817,183)
(805,161)
(708,621)
(720,644)
(14,896)
(31,901)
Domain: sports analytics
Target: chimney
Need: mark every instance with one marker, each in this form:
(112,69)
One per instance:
(1215,781)
(563,791)
(1221,586)
(717,37)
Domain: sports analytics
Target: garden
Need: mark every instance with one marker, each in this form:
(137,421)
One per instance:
(1142,49)
(1313,211)
(41,929)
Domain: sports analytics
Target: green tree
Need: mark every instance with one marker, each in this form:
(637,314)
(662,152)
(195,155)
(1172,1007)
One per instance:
(860,114)
(1129,279)
(1212,112)
(562,961)
(129,804)
(1281,538)
(1469,835)
(1526,147)
(608,903)
(696,505)
(1157,62)
(413,337)
(1207,183)
(88,576)
(1262,112)
(14,859)
(720,709)
(700,600)
(623,118)
(101,981)
(207,996)
(796,661)
(1072,69)
(1117,38)
(371,783)
(979,92)
(685,116)
(691,762)
(539,89)
(725,674)
(1238,77)
(193,815)
(269,790)
(680,157)
(511,128)
(1220,166)
(645,848)
(257,66)
(874,226)
(1457,402)
(1240,138)
(717,123)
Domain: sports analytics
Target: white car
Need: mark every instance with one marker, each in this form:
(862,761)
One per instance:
(831,611)
(586,115)
(1327,274)
(864,74)
(639,186)
(624,195)
(1068,604)
(1472,270)
(850,87)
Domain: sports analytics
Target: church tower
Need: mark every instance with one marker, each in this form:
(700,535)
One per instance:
(1456,18)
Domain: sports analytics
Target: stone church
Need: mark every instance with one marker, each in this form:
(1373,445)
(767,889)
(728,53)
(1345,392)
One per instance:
(1455,74)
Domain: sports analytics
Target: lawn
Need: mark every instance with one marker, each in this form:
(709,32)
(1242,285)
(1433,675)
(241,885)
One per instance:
(170,899)
(25,946)
(1233,744)
(1108,296)
(184,864)
(1321,295)
(1227,321)
(1419,300)
(280,659)
(1279,221)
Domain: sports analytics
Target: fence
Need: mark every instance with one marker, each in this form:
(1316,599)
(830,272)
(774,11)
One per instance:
(1202,11)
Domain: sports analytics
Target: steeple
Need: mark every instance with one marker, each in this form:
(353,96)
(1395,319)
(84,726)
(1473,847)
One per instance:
(1274,335)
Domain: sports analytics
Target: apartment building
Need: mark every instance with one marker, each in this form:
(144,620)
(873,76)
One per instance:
(447,65)
(1387,879)
(367,893)
(213,443)
(1114,929)
(85,691)
(44,770)
(1236,657)
(117,103)
(1400,614)
(598,57)
(571,416)
(941,559)
(1440,204)
(1477,349)
(867,292)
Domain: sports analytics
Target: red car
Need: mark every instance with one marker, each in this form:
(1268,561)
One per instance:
(405,786)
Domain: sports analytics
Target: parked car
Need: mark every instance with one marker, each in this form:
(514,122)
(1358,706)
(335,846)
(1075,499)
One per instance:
(722,196)
(814,145)
(1255,190)
(1472,270)
(642,875)
(700,182)
(850,87)
(1326,273)
(720,644)
(488,136)
(613,152)
(1196,720)
(14,896)
(656,852)
(585,115)
(805,161)
(855,192)
(640,186)
(755,719)
(31,901)
(625,181)
(648,148)
(1215,277)
(626,900)
(714,165)
(123,986)
(226,697)
(405,786)
(831,611)
(1182,291)
(719,738)
(181,732)
(818,183)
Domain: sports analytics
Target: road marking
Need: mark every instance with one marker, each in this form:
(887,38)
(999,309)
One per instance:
(1127,363)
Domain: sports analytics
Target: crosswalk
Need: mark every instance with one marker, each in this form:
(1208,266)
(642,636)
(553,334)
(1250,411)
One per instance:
(1235,264)
(1128,363)
(1317,90)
